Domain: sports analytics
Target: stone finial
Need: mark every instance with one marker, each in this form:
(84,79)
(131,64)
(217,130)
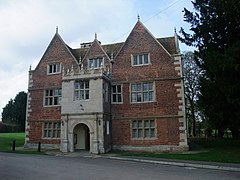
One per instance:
(95,36)
(30,67)
(56,29)
(138,17)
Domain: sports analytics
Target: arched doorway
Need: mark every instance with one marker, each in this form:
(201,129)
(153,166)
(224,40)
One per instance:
(81,137)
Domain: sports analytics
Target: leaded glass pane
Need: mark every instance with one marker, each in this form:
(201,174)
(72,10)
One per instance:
(87,84)
(152,133)
(134,133)
(140,59)
(145,58)
(135,61)
(134,124)
(145,97)
(151,96)
(133,87)
(139,97)
(139,87)
(140,133)
(145,86)
(134,97)
(146,133)
(150,86)
(119,90)
(119,98)
(140,124)
(114,89)
(152,123)
(146,124)
(87,94)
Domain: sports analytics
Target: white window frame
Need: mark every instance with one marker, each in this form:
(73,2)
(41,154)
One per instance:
(54,68)
(140,130)
(140,59)
(79,91)
(140,93)
(55,96)
(117,94)
(51,130)
(96,64)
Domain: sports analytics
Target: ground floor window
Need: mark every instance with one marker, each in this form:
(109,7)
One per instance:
(143,129)
(51,129)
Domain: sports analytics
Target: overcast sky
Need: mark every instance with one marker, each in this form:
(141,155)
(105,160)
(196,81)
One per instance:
(27,27)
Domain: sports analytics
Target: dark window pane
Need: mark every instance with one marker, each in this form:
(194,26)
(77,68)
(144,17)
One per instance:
(119,89)
(114,89)
(135,61)
(140,59)
(145,58)
(119,98)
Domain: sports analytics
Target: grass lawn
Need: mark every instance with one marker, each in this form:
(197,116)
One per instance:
(211,150)
(6,140)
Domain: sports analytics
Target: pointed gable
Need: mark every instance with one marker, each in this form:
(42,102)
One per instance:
(57,57)
(141,56)
(57,52)
(96,51)
(142,40)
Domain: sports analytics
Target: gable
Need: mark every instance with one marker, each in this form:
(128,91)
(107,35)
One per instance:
(95,51)
(140,40)
(56,52)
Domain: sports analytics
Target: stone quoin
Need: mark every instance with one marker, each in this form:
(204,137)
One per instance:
(124,96)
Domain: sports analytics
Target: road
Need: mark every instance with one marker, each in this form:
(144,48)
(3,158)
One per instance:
(34,167)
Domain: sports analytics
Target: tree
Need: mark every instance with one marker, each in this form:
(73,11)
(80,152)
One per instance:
(215,27)
(191,73)
(14,113)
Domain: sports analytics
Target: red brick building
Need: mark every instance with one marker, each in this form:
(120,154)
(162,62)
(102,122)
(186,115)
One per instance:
(126,96)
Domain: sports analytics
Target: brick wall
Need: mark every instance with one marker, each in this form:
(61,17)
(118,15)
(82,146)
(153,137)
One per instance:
(56,52)
(161,71)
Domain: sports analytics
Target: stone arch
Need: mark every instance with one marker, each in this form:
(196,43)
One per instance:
(76,122)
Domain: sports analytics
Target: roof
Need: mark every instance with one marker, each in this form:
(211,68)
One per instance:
(167,42)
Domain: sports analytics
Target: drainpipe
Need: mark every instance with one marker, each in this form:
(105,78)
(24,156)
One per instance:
(97,141)
(110,120)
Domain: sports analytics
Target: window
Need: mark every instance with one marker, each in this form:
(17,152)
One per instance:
(140,59)
(143,129)
(95,63)
(54,68)
(81,90)
(142,92)
(51,129)
(53,97)
(116,93)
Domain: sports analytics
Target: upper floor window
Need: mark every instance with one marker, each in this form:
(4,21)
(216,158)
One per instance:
(140,59)
(95,63)
(53,97)
(142,92)
(81,90)
(54,68)
(117,93)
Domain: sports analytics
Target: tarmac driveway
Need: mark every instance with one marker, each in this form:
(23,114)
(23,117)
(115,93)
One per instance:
(20,166)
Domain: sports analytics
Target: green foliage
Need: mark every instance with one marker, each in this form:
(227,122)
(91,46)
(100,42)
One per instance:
(191,73)
(14,113)
(215,27)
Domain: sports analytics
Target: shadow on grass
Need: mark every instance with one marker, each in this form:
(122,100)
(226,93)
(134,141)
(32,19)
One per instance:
(210,150)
